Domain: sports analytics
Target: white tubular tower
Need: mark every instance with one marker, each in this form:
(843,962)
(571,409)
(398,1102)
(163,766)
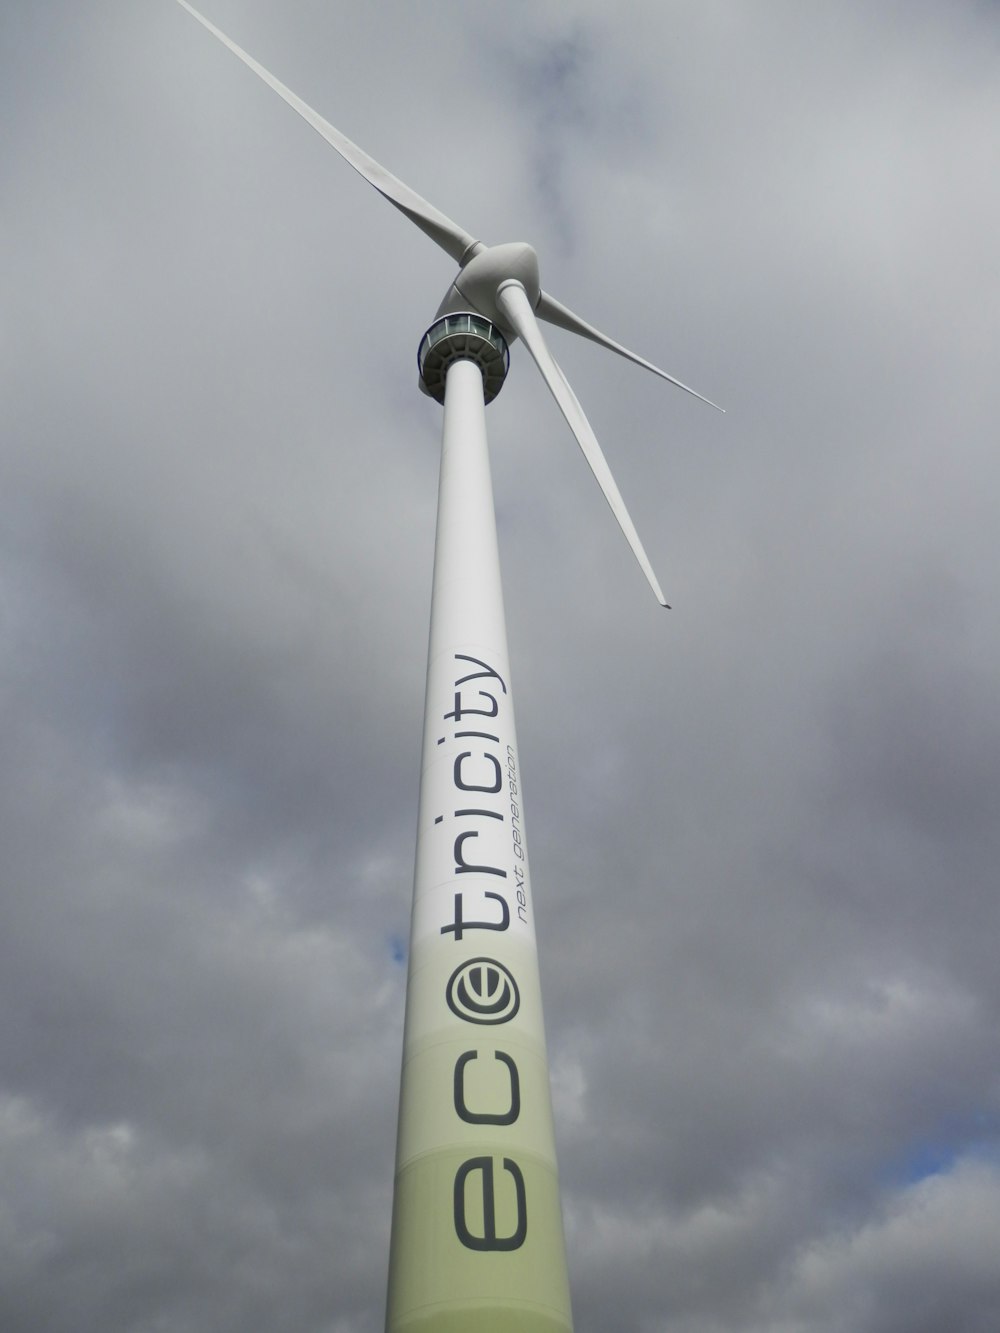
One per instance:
(477,1238)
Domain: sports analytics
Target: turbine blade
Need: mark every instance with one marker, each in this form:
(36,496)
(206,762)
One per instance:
(554,312)
(447,234)
(512,300)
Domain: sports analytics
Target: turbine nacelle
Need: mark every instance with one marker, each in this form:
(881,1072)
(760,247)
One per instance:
(478,283)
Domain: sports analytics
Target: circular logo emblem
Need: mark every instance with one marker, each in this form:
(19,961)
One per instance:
(482,991)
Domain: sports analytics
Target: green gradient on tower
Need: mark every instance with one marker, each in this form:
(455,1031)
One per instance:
(477,1236)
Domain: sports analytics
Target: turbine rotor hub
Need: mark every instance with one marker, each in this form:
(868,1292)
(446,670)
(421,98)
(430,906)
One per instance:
(476,284)
(462,336)
(485,271)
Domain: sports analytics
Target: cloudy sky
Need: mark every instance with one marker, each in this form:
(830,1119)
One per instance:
(764,826)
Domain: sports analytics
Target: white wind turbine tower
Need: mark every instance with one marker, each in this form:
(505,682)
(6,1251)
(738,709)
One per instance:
(477,1240)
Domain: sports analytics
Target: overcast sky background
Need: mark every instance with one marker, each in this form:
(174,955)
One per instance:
(763,826)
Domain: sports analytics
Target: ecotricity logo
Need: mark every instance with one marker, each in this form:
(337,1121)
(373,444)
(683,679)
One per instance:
(483,991)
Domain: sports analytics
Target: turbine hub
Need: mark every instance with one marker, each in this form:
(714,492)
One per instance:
(484,273)
(462,337)
(475,286)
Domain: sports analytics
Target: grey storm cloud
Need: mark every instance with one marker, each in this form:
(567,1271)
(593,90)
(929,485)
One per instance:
(763,827)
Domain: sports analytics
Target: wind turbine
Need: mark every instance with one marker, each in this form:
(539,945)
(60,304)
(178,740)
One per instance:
(477,1240)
